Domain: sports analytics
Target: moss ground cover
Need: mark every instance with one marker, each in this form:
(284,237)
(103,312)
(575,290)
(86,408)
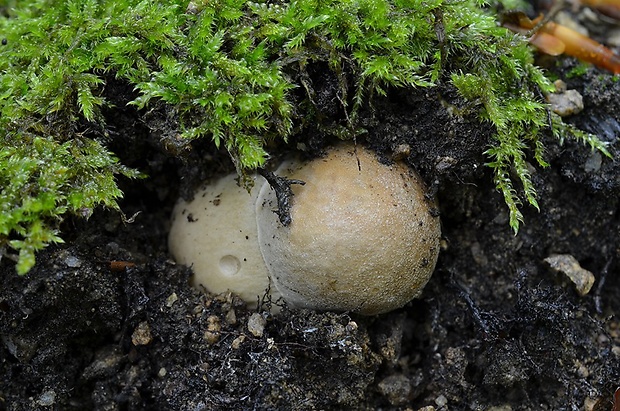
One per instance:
(228,70)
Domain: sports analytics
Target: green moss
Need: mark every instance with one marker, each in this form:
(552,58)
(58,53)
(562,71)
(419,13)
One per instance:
(227,68)
(578,71)
(42,179)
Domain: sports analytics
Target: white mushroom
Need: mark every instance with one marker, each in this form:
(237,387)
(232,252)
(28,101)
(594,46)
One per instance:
(363,235)
(216,235)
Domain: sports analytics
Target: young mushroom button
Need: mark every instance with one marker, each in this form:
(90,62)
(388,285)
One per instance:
(362,237)
(216,235)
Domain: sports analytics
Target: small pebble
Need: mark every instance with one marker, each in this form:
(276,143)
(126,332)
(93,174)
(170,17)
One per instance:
(589,403)
(47,398)
(256,325)
(401,152)
(396,388)
(593,163)
(212,335)
(172,298)
(565,104)
(351,327)
(445,163)
(441,401)
(142,334)
(107,362)
(581,369)
(569,266)
(231,317)
(73,262)
(236,343)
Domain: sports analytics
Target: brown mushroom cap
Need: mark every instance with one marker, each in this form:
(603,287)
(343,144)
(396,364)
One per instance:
(363,237)
(216,235)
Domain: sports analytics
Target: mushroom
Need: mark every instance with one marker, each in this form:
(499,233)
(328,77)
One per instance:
(363,235)
(216,235)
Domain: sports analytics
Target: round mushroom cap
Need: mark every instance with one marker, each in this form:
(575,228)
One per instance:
(216,235)
(363,237)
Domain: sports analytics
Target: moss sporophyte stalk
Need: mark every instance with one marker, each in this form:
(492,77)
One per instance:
(227,70)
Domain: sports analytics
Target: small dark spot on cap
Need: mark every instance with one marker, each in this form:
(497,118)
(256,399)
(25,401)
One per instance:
(191,219)
(216,202)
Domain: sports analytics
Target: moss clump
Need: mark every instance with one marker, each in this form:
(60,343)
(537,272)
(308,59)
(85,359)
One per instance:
(42,179)
(226,68)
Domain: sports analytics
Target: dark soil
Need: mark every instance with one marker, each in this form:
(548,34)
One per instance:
(495,329)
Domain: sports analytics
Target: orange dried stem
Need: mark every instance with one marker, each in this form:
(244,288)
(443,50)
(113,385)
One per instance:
(583,47)
(555,39)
